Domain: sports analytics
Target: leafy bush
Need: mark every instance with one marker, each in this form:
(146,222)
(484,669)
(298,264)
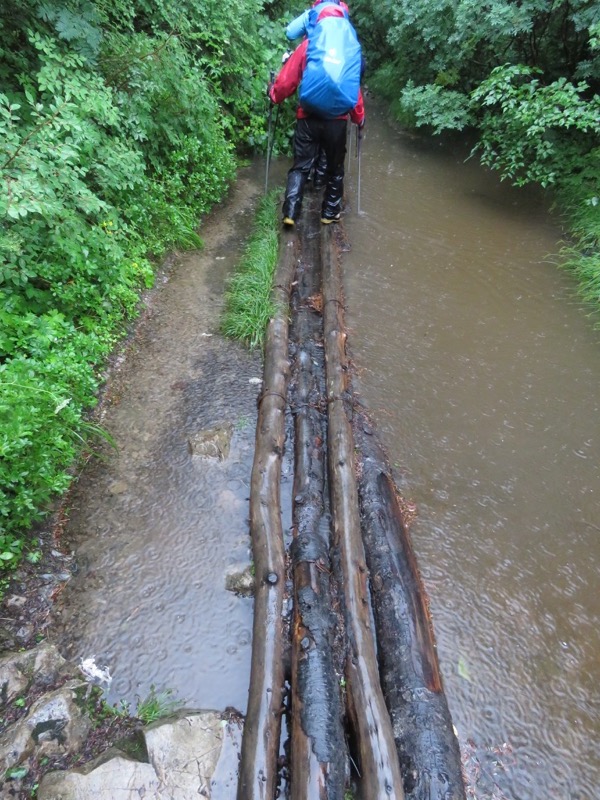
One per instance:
(441,109)
(532,132)
(119,121)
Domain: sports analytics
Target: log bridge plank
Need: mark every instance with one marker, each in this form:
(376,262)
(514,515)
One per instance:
(350,563)
(260,743)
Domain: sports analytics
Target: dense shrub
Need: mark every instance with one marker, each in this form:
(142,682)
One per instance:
(119,125)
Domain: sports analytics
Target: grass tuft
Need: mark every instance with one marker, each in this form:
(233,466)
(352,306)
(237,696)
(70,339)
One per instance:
(157,705)
(248,304)
(581,257)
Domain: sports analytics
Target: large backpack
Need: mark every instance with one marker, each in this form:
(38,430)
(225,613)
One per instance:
(331,81)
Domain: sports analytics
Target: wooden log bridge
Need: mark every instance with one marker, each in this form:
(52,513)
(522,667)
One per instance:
(353,669)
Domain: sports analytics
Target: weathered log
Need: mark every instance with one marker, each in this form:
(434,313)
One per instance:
(427,746)
(262,730)
(318,749)
(379,767)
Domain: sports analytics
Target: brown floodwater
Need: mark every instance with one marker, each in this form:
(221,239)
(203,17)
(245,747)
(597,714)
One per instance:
(483,374)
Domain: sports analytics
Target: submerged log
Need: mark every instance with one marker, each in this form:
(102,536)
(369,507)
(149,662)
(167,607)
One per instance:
(379,767)
(318,748)
(427,746)
(262,729)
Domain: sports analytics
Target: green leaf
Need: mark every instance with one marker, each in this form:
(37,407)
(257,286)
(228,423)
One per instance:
(463,669)
(16,773)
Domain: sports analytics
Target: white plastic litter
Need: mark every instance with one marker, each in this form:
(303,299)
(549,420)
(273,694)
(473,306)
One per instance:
(93,673)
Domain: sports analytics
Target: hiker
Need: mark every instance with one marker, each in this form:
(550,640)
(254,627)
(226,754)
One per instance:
(299,27)
(317,125)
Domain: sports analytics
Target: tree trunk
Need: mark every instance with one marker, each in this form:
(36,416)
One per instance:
(262,730)
(318,748)
(379,768)
(427,746)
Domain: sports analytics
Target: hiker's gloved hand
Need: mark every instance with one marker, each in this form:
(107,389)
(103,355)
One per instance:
(269,90)
(285,56)
(361,124)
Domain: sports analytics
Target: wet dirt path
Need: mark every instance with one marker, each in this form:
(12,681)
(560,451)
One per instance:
(155,529)
(483,375)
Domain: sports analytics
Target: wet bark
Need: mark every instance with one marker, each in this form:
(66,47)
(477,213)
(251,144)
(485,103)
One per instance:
(379,768)
(427,746)
(262,730)
(318,749)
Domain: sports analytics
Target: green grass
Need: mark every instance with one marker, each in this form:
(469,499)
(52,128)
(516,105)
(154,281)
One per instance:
(580,199)
(248,304)
(157,705)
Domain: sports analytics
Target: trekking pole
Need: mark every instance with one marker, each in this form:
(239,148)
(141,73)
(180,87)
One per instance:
(350,150)
(270,133)
(358,149)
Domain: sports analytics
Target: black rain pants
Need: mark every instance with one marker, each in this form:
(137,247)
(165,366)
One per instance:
(311,135)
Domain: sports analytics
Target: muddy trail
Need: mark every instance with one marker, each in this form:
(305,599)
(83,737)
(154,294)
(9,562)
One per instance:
(353,663)
(156,527)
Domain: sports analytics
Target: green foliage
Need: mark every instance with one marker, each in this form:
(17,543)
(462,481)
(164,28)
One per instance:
(536,133)
(119,121)
(441,109)
(248,304)
(76,22)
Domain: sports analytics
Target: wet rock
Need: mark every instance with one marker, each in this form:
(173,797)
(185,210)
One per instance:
(118,487)
(7,640)
(113,776)
(18,670)
(212,442)
(54,726)
(184,753)
(16,601)
(241,581)
(25,632)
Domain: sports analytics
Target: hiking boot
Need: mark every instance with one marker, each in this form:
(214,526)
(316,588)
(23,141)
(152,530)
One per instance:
(327,219)
(288,222)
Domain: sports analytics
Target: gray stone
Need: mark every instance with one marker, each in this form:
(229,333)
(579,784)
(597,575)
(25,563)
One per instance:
(184,754)
(212,442)
(118,487)
(7,640)
(111,777)
(16,601)
(25,631)
(54,725)
(241,581)
(18,670)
